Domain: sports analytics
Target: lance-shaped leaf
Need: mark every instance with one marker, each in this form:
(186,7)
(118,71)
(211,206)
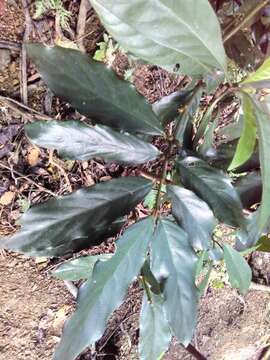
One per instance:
(77,141)
(105,291)
(261,74)
(263,124)
(194,215)
(173,261)
(94,89)
(77,269)
(238,269)
(167,108)
(166,33)
(247,141)
(214,187)
(82,219)
(155,334)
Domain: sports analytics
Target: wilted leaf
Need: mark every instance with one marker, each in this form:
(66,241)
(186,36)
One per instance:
(238,269)
(166,33)
(173,261)
(77,269)
(94,89)
(77,141)
(194,215)
(155,334)
(82,219)
(247,141)
(214,187)
(105,291)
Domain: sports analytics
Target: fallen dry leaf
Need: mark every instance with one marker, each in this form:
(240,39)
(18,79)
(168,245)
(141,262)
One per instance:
(33,156)
(7,198)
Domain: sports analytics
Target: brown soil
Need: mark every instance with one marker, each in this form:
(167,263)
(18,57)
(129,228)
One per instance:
(33,308)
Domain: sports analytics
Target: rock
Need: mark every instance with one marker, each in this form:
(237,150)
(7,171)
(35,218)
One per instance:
(4,58)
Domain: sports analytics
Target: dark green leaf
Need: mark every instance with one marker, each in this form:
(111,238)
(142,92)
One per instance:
(247,141)
(238,269)
(77,141)
(79,220)
(167,108)
(169,32)
(155,335)
(174,261)
(214,187)
(94,89)
(77,269)
(249,189)
(194,215)
(105,291)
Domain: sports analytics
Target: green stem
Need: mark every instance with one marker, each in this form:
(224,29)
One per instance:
(159,193)
(246,20)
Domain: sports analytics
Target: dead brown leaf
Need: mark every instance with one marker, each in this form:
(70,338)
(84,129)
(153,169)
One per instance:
(7,198)
(33,156)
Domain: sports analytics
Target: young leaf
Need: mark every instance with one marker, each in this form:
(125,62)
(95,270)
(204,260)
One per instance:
(77,269)
(214,187)
(169,32)
(261,74)
(105,291)
(93,89)
(173,261)
(77,141)
(263,124)
(76,221)
(238,269)
(155,334)
(247,141)
(184,130)
(167,108)
(194,215)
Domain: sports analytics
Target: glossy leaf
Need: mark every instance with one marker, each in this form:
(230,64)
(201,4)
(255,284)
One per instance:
(238,269)
(94,89)
(214,187)
(167,108)
(173,261)
(105,291)
(80,268)
(261,74)
(166,33)
(263,124)
(155,334)
(77,141)
(82,219)
(247,141)
(194,215)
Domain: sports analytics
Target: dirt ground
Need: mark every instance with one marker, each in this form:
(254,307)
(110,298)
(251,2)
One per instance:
(33,305)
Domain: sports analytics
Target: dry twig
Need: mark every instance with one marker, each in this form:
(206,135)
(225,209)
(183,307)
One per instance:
(23,63)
